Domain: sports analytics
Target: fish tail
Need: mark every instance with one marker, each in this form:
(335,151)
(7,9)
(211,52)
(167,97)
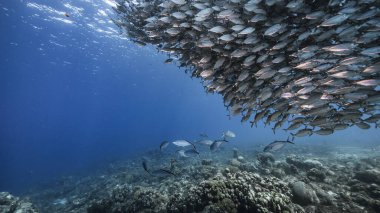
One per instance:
(292,136)
(251,122)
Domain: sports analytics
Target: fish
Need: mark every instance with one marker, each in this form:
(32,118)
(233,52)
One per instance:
(228,134)
(145,165)
(164,144)
(302,133)
(276,145)
(162,173)
(215,145)
(206,142)
(187,153)
(183,143)
(303,61)
(203,135)
(324,131)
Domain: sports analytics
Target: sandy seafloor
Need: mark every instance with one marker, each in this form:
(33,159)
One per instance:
(298,178)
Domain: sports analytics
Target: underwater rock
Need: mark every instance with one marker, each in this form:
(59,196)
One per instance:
(249,167)
(315,174)
(369,176)
(303,164)
(235,162)
(289,169)
(265,159)
(12,204)
(326,198)
(203,172)
(278,172)
(237,192)
(303,194)
(206,162)
(125,199)
(374,191)
(147,200)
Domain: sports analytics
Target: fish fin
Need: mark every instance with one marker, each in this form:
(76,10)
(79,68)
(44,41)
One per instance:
(251,122)
(193,145)
(288,141)
(292,136)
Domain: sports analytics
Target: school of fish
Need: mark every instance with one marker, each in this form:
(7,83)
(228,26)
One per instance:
(303,66)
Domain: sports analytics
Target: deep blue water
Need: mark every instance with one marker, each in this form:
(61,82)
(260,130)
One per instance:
(73,97)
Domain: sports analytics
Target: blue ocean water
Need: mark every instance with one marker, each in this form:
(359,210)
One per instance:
(75,95)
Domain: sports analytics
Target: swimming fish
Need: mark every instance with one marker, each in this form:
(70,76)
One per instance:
(316,61)
(215,145)
(183,143)
(162,173)
(206,142)
(164,144)
(228,134)
(145,165)
(188,153)
(276,145)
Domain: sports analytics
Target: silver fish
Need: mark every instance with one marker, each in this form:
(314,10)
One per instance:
(276,145)
(183,143)
(215,145)
(164,144)
(316,61)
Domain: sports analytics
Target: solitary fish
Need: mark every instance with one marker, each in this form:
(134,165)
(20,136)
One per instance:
(276,145)
(145,165)
(162,173)
(163,145)
(203,135)
(206,142)
(228,134)
(188,153)
(215,145)
(183,143)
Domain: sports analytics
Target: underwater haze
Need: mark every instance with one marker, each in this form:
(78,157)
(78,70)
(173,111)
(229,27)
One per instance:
(77,95)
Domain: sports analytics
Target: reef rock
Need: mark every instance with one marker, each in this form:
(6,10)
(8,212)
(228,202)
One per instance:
(303,194)
(125,199)
(265,159)
(234,192)
(369,176)
(12,204)
(303,164)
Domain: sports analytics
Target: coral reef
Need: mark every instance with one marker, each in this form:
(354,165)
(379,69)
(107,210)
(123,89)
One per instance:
(12,204)
(263,182)
(234,192)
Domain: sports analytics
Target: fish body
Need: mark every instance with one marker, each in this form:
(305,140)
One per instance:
(162,173)
(228,134)
(183,143)
(276,145)
(216,144)
(145,165)
(187,153)
(164,144)
(206,142)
